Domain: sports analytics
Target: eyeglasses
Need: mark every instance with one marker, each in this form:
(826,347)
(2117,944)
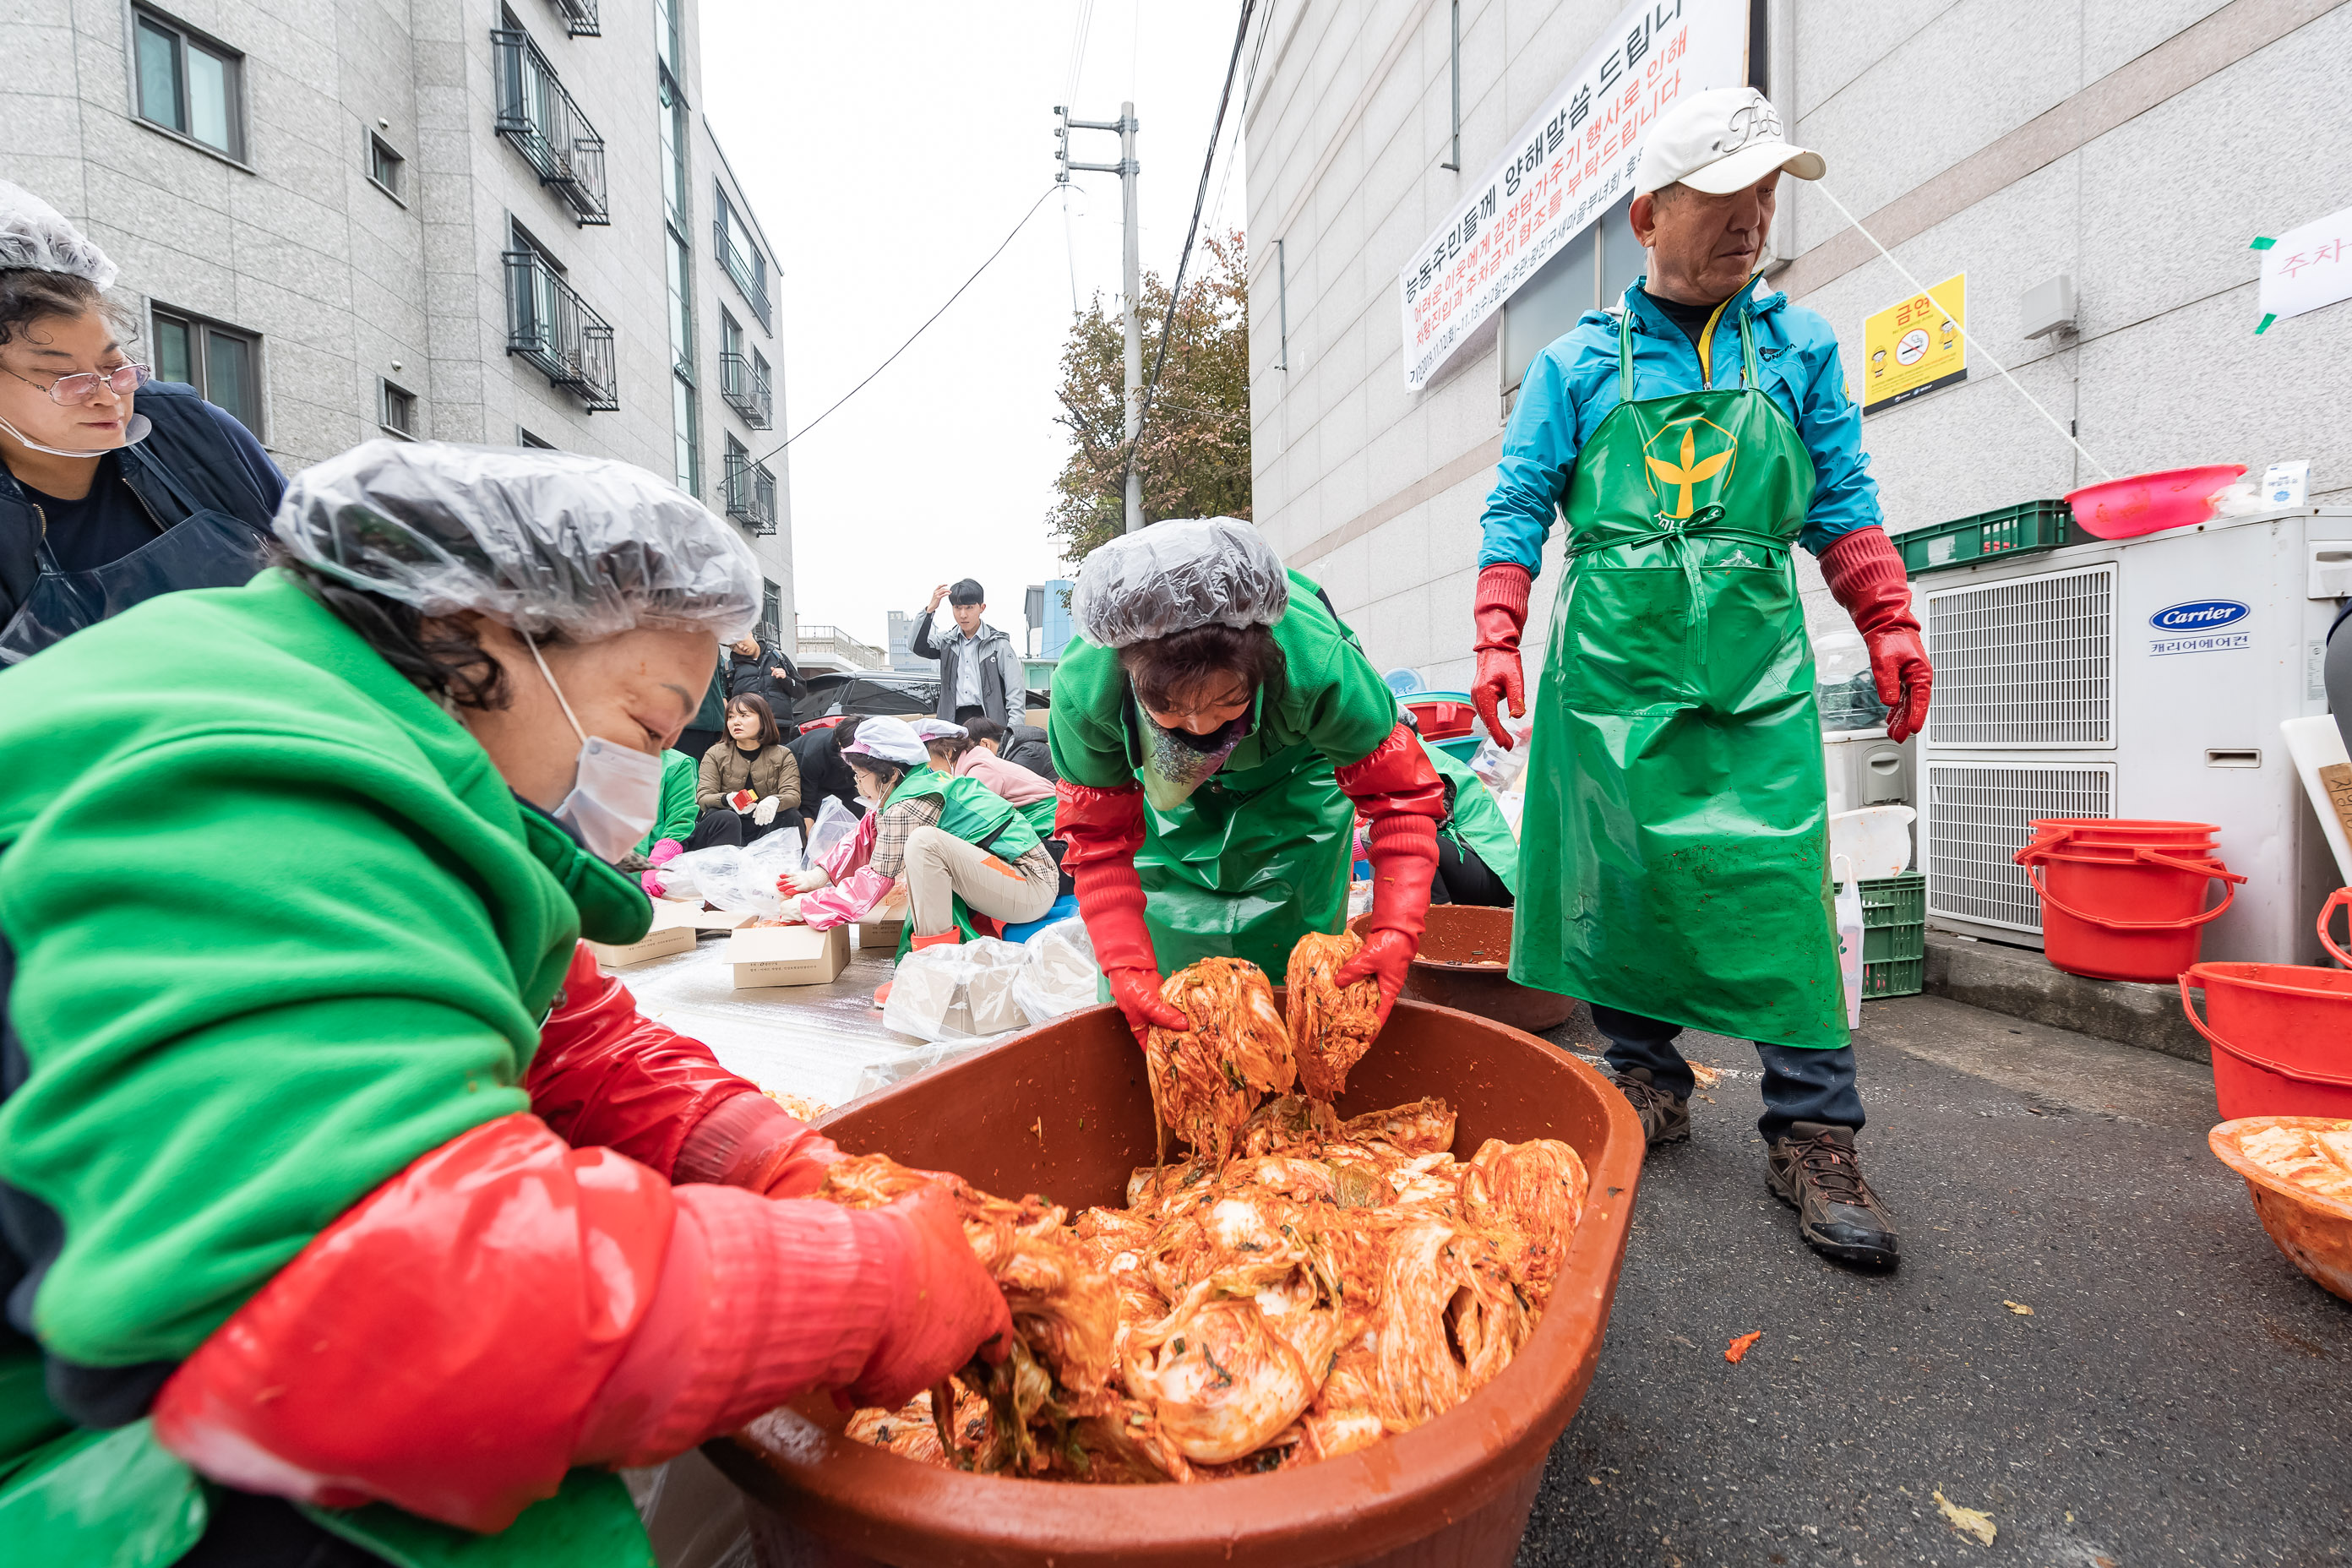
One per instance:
(73,391)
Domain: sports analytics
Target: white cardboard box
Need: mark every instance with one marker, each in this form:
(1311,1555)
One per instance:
(659,942)
(690,915)
(787,955)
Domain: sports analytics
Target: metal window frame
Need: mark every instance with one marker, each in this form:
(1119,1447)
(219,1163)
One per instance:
(1455,70)
(200,352)
(749,276)
(749,489)
(1935,743)
(240,131)
(580,19)
(386,389)
(745,384)
(379,150)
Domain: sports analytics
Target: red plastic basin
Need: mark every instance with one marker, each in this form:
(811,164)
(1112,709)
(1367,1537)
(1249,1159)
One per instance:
(1065,1111)
(2150,503)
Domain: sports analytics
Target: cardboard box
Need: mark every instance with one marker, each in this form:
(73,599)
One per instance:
(787,955)
(691,916)
(659,942)
(881,930)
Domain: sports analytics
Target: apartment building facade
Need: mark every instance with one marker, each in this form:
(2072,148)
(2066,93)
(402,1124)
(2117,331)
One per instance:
(2133,147)
(502,222)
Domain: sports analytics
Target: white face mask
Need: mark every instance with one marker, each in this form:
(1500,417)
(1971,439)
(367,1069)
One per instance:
(615,791)
(134,430)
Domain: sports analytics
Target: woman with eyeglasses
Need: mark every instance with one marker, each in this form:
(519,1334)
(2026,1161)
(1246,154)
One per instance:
(101,505)
(1217,730)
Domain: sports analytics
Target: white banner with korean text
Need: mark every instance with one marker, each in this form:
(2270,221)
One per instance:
(1569,163)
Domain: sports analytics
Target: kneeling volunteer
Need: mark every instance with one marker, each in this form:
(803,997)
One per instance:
(364,1186)
(963,849)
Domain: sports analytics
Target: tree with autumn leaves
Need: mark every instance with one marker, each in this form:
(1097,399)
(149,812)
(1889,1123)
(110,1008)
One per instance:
(1195,453)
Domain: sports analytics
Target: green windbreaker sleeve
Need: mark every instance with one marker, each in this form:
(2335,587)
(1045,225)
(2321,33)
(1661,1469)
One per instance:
(678,811)
(247,999)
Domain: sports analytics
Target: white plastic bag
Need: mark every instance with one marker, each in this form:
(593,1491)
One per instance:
(1849,930)
(961,992)
(1499,770)
(835,822)
(1058,975)
(740,879)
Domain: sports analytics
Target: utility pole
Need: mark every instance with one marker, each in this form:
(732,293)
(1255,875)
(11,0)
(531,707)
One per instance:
(1126,169)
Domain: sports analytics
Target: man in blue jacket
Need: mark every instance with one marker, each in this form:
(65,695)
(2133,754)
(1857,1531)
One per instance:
(1674,859)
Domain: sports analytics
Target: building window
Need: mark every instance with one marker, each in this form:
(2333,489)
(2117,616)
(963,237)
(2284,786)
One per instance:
(667,26)
(525,438)
(751,497)
(686,425)
(739,257)
(580,19)
(188,84)
(1455,70)
(540,120)
(550,327)
(673,147)
(396,410)
(219,361)
(681,307)
(385,167)
(771,612)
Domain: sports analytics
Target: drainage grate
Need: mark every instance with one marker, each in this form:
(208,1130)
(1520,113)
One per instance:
(2025,662)
(1979,814)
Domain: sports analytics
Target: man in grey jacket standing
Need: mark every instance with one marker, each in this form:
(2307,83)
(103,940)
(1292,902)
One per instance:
(981,673)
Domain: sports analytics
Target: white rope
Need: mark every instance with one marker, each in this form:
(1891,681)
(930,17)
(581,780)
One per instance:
(1953,317)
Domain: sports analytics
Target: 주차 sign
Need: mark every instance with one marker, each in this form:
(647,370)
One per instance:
(1915,347)
(1569,163)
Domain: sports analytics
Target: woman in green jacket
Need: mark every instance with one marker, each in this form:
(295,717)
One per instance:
(349,1212)
(1217,729)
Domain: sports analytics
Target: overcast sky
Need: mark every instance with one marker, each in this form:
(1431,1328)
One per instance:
(886,150)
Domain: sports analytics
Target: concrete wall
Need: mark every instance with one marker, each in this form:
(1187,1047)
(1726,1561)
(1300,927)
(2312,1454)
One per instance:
(2209,123)
(347,285)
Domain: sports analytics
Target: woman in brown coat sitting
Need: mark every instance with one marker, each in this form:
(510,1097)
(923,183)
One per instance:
(749,785)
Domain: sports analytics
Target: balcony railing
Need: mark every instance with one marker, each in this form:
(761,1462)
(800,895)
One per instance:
(547,128)
(751,493)
(743,382)
(748,275)
(832,642)
(579,18)
(553,328)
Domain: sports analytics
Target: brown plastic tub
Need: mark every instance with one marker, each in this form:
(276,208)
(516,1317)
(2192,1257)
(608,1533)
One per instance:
(1065,1111)
(1452,969)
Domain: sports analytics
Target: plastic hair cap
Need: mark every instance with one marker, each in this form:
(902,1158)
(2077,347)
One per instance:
(34,234)
(543,542)
(1177,575)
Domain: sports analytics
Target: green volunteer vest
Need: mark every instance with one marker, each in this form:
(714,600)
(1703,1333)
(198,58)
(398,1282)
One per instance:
(975,813)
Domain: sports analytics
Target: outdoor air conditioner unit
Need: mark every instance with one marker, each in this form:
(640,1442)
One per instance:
(2138,678)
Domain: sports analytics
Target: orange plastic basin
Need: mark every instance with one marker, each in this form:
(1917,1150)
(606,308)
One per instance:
(1065,1111)
(1456,968)
(2314,1232)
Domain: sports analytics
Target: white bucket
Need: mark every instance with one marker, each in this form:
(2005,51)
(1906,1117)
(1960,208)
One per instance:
(1876,839)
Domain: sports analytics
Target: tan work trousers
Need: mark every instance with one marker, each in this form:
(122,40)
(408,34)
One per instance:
(940,866)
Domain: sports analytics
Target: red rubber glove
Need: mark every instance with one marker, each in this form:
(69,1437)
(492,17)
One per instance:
(1104,828)
(944,1303)
(1500,615)
(1865,575)
(605,1073)
(508,1307)
(1398,791)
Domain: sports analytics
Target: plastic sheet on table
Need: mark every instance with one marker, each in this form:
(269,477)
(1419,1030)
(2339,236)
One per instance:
(956,993)
(1058,972)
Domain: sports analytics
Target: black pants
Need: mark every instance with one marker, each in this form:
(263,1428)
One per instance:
(725,824)
(965,715)
(694,742)
(1798,1084)
(1464,878)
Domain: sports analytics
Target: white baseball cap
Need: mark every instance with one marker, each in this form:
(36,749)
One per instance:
(1718,142)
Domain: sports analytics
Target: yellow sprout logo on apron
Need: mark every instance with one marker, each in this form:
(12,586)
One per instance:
(1692,463)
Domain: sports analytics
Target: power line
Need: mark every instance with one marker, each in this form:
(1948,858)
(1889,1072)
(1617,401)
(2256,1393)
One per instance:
(1176,289)
(918,332)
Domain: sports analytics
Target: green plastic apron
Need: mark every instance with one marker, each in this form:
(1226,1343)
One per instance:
(1674,848)
(1253,859)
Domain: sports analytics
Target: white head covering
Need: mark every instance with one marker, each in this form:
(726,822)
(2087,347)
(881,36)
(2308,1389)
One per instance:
(928,729)
(1176,575)
(540,541)
(36,235)
(892,740)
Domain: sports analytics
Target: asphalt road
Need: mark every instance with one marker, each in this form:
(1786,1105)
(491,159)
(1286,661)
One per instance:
(2178,1394)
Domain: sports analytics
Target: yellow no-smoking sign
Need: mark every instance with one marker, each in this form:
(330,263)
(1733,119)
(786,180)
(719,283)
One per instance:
(1915,346)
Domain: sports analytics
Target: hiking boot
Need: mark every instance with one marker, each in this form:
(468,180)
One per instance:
(1665,1118)
(1812,1169)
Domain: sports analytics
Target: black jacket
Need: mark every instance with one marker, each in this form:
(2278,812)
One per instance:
(751,677)
(1025,744)
(823,772)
